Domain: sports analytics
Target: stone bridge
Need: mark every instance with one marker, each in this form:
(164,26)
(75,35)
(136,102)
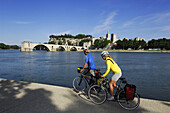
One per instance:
(29,46)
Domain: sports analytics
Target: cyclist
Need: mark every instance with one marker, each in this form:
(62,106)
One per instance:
(90,71)
(111,65)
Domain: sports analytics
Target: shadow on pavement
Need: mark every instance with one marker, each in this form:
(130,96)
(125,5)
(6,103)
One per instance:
(107,107)
(16,97)
(167,104)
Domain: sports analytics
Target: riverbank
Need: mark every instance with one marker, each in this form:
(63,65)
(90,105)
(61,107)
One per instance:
(156,51)
(25,97)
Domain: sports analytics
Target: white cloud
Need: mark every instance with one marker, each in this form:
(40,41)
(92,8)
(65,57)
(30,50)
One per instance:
(105,25)
(152,20)
(22,22)
(162,17)
(128,24)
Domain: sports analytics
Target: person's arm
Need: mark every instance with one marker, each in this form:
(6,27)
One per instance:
(85,64)
(108,69)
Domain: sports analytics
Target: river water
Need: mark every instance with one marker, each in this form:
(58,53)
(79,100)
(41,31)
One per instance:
(150,72)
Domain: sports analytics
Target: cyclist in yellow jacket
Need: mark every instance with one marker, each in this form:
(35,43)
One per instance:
(111,66)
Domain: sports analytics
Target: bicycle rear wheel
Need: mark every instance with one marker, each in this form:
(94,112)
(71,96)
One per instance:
(79,84)
(128,104)
(97,94)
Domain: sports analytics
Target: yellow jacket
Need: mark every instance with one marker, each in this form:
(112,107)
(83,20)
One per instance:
(111,65)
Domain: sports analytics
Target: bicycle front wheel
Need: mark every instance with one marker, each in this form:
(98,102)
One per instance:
(128,104)
(97,94)
(79,84)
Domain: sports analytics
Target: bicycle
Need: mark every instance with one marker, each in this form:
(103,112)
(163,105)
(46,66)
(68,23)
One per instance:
(80,82)
(99,93)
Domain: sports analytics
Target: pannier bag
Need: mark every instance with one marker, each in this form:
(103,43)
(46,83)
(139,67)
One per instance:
(130,91)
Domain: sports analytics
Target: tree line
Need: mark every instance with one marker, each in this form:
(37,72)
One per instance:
(4,46)
(133,44)
(79,36)
(141,44)
(160,43)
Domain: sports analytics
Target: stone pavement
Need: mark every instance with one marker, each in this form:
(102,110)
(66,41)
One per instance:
(24,97)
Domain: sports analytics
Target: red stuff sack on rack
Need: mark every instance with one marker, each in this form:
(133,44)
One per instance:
(98,74)
(130,91)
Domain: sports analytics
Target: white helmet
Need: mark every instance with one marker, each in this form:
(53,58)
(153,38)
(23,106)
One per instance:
(104,53)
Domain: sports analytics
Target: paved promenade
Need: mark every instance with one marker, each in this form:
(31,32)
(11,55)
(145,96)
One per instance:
(24,97)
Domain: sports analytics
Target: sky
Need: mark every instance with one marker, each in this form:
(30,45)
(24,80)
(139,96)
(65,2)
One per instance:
(36,20)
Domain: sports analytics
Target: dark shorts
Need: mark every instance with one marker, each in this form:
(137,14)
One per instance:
(89,72)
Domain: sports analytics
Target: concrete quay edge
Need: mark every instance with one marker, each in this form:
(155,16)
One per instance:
(25,97)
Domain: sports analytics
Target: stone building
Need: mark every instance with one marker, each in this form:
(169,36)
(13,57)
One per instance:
(102,38)
(139,39)
(87,45)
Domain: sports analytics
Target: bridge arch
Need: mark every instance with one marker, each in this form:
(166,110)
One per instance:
(73,49)
(43,47)
(62,48)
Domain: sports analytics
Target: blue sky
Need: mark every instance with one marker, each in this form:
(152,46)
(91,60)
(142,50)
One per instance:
(35,20)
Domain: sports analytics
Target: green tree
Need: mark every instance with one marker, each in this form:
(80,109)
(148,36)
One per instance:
(4,46)
(101,43)
(153,44)
(69,43)
(52,42)
(60,42)
(14,47)
(119,44)
(142,44)
(104,43)
(167,45)
(125,43)
(130,43)
(89,36)
(97,43)
(80,36)
(160,43)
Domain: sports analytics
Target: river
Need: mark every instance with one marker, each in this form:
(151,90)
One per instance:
(150,72)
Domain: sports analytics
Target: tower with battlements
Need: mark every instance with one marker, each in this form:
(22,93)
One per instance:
(113,38)
(108,35)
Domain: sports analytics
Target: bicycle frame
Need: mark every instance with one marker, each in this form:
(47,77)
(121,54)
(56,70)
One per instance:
(121,81)
(87,81)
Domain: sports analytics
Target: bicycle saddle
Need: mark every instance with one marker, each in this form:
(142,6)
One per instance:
(97,69)
(123,80)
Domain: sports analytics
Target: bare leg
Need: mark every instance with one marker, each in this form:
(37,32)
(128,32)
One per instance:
(111,84)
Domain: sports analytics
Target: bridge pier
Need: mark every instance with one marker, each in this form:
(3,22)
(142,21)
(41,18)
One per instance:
(25,47)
